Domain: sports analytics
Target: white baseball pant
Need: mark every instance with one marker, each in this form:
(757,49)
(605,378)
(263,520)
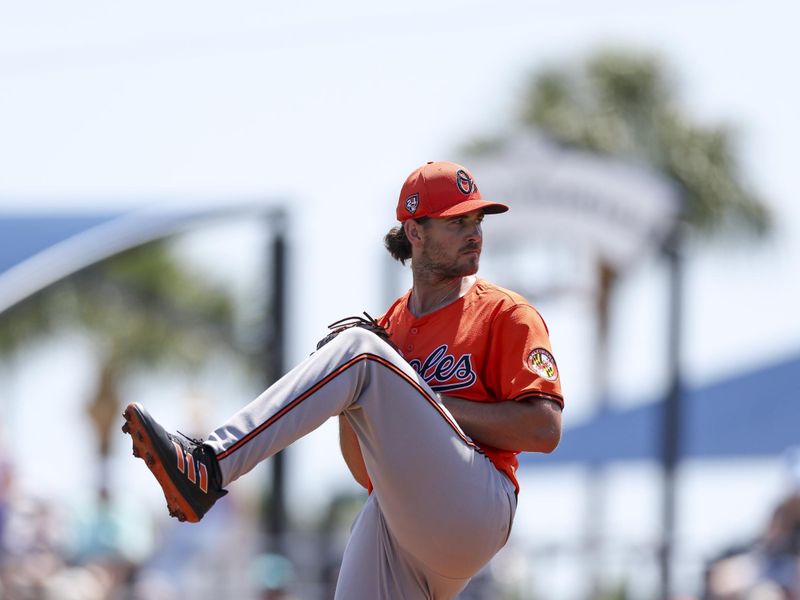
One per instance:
(439,509)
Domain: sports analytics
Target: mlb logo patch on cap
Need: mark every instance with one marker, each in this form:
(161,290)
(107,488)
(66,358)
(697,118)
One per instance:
(412,202)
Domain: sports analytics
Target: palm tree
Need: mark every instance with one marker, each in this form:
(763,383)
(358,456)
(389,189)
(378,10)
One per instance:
(142,310)
(622,104)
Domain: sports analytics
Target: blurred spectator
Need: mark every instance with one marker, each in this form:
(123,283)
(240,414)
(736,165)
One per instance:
(780,547)
(769,568)
(46,554)
(154,585)
(112,530)
(5,496)
(33,547)
(272,574)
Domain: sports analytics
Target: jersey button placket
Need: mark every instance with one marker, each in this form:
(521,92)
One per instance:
(412,331)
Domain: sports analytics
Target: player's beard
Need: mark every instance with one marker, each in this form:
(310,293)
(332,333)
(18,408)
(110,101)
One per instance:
(435,260)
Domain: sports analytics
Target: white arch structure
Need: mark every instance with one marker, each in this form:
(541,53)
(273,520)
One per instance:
(104,234)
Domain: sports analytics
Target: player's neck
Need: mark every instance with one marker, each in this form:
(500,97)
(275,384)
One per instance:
(429,295)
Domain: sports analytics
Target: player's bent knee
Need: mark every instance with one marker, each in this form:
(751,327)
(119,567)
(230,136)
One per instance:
(362,340)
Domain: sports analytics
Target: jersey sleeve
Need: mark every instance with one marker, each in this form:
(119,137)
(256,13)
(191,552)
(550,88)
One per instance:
(521,363)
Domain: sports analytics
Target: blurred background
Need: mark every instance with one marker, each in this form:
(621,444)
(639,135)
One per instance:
(191,192)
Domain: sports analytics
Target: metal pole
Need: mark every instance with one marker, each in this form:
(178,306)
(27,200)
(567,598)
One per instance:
(276,517)
(672,411)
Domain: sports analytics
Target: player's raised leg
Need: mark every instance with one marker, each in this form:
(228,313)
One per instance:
(442,499)
(193,473)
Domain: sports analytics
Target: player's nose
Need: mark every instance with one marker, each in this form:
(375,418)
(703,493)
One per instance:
(475,233)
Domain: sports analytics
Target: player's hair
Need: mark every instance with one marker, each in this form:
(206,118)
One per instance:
(397,243)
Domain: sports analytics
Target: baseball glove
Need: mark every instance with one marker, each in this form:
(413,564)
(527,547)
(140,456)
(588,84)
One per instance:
(370,324)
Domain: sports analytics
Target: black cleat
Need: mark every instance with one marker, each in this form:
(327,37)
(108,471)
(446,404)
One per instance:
(186,470)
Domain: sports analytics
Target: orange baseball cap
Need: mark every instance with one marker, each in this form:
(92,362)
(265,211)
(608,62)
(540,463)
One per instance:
(442,189)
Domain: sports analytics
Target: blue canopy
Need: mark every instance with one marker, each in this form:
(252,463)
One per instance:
(24,236)
(755,414)
(37,250)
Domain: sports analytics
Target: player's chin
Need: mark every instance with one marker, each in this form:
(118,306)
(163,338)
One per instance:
(470,264)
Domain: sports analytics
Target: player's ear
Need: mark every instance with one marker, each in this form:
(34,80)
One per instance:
(413,231)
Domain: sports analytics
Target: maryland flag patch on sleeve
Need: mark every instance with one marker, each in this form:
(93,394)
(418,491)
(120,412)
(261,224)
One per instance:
(541,362)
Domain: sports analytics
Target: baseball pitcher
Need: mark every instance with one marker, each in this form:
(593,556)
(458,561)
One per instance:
(435,399)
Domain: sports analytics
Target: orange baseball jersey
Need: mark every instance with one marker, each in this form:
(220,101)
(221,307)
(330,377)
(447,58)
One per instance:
(488,346)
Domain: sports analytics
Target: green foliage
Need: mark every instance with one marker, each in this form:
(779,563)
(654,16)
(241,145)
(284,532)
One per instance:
(617,592)
(26,321)
(621,103)
(141,308)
